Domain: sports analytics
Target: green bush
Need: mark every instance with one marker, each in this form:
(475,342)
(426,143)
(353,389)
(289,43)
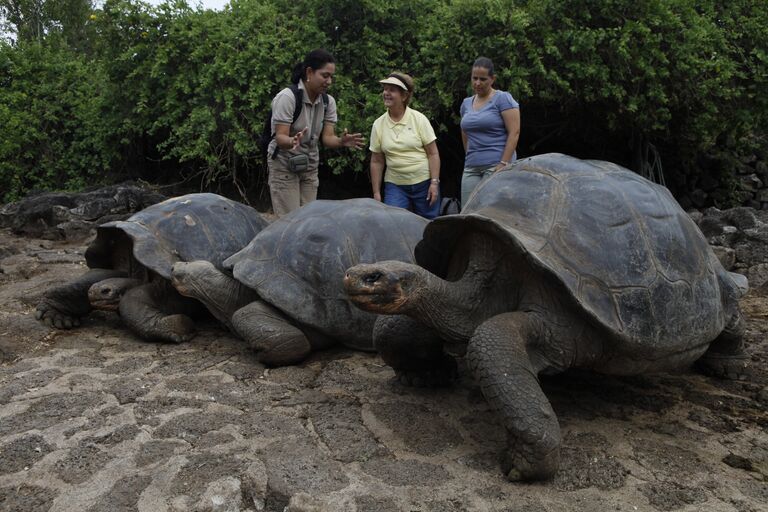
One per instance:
(175,93)
(607,79)
(53,135)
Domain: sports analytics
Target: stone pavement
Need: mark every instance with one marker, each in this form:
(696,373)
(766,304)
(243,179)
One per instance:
(94,419)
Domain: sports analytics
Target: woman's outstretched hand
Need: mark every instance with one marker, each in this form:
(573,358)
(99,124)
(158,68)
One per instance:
(352,140)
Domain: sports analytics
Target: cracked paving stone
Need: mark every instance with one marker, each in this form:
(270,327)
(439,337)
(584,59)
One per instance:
(123,496)
(420,429)
(51,410)
(81,463)
(157,451)
(406,472)
(23,453)
(666,496)
(26,498)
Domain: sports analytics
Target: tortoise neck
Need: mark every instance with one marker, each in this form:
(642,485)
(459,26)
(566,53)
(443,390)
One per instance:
(448,307)
(480,284)
(222,294)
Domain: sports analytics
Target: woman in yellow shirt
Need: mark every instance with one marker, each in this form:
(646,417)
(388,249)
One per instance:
(403,141)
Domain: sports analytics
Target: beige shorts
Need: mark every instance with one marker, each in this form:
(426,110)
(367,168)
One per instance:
(290,191)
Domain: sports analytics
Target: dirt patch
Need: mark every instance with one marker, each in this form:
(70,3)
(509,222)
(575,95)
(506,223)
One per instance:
(94,419)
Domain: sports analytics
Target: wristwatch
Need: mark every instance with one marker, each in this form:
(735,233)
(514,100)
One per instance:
(435,180)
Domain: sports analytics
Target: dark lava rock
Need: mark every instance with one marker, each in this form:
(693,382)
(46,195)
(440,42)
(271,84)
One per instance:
(72,215)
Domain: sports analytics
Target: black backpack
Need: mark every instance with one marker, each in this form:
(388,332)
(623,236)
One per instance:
(267,134)
(449,206)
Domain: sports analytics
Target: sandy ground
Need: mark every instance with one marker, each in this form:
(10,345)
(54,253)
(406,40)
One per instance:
(94,419)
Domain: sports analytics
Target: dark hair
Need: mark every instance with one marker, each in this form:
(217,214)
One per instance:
(315,60)
(485,63)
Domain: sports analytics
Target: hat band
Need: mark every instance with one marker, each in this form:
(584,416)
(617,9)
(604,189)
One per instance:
(402,80)
(393,80)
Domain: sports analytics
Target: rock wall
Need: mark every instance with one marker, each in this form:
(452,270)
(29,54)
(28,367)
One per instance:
(753,182)
(74,215)
(739,237)
(707,189)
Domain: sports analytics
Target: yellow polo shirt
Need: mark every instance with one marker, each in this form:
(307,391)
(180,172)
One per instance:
(402,144)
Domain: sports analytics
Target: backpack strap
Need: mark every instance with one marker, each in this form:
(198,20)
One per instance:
(298,98)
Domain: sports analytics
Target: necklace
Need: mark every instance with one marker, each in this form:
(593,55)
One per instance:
(397,127)
(478,102)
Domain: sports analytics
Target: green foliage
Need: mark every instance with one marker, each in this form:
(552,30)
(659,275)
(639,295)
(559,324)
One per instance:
(195,86)
(170,91)
(215,95)
(369,40)
(34,20)
(53,133)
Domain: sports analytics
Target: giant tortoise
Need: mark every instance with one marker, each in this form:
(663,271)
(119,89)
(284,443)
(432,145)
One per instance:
(285,293)
(130,264)
(557,263)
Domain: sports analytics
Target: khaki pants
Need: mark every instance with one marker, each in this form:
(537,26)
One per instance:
(290,191)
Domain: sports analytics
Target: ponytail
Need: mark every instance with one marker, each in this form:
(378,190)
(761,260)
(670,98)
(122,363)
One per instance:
(298,73)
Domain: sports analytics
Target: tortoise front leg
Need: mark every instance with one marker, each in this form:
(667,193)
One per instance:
(414,351)
(275,339)
(62,307)
(155,311)
(498,356)
(726,357)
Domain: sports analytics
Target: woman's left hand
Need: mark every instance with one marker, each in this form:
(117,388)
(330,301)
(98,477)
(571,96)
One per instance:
(352,140)
(433,193)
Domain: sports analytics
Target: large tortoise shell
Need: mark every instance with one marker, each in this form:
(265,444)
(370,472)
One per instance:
(298,263)
(620,245)
(185,228)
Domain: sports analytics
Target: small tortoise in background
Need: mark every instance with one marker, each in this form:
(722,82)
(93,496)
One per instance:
(558,263)
(285,295)
(130,265)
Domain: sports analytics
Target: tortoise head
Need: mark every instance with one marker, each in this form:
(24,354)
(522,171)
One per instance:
(107,294)
(193,278)
(386,287)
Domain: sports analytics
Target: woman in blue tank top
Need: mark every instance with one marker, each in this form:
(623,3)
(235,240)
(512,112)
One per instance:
(490,128)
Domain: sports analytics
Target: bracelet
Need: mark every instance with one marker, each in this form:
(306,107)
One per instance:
(435,180)
(503,162)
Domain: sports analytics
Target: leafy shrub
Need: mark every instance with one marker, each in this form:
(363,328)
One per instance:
(173,93)
(53,135)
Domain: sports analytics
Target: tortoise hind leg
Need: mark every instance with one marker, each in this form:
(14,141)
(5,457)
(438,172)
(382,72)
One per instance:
(497,355)
(62,307)
(726,357)
(155,311)
(276,341)
(413,351)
